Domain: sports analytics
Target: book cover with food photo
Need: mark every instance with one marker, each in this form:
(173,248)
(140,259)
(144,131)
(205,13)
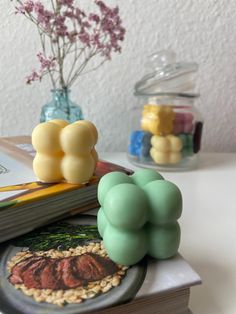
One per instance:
(63,268)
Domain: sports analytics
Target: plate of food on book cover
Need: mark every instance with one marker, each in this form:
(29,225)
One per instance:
(64,268)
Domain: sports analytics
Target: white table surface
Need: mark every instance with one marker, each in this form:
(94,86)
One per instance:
(208,225)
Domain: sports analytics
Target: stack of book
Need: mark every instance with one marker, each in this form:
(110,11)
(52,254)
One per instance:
(26,204)
(60,268)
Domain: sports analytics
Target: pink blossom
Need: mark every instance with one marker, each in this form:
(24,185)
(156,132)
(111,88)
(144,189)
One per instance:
(70,14)
(44,20)
(94,17)
(84,38)
(26,7)
(61,28)
(95,39)
(46,63)
(38,7)
(68,3)
(85,24)
(72,36)
(43,16)
(60,20)
(79,13)
(34,76)
(102,6)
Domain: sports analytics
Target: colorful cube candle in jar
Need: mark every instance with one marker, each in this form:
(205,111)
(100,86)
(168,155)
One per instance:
(166,127)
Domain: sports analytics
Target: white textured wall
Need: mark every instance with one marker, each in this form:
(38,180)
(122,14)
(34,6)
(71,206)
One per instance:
(198,30)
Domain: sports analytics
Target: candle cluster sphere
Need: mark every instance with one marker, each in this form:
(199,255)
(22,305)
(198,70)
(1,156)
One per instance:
(138,216)
(65,152)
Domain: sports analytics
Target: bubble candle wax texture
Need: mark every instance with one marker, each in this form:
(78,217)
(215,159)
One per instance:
(65,152)
(138,216)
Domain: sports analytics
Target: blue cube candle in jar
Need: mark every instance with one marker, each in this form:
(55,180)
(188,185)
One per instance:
(166,126)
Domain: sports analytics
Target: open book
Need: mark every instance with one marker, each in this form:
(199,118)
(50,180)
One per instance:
(63,268)
(26,203)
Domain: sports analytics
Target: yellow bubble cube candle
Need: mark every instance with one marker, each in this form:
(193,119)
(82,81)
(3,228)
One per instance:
(166,149)
(65,152)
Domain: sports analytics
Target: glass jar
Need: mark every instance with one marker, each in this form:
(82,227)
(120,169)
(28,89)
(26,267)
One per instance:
(166,128)
(61,107)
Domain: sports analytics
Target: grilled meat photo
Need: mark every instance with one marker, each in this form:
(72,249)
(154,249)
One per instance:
(41,272)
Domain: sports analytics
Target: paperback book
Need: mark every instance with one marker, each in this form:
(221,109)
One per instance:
(26,203)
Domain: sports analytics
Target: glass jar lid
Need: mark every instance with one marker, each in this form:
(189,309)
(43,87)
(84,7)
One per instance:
(168,77)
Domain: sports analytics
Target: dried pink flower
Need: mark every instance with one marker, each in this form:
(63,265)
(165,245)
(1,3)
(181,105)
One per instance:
(68,3)
(46,63)
(34,76)
(94,17)
(68,32)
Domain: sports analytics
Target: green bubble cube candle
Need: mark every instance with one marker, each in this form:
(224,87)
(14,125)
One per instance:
(138,216)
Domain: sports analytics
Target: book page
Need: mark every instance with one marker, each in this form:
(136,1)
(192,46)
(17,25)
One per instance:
(13,172)
(167,275)
(19,148)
